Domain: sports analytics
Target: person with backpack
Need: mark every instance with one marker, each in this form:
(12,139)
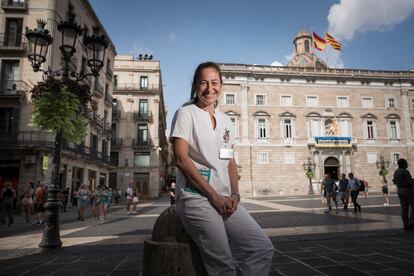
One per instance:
(404,181)
(330,190)
(354,185)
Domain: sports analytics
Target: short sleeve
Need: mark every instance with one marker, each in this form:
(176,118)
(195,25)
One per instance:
(181,126)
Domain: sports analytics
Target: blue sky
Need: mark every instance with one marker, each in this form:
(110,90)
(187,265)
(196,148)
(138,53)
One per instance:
(376,34)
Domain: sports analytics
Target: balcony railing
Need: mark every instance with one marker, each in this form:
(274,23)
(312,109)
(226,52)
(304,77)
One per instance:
(136,86)
(107,129)
(27,138)
(116,143)
(142,116)
(12,88)
(14,5)
(138,144)
(109,73)
(13,42)
(85,152)
(98,89)
(96,120)
(108,98)
(116,114)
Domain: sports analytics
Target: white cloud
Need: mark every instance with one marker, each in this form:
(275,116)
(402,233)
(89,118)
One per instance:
(289,57)
(332,58)
(276,63)
(358,16)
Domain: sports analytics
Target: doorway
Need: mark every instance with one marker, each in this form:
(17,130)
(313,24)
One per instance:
(331,166)
(141,183)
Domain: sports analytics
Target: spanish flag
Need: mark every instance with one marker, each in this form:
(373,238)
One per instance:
(319,42)
(334,43)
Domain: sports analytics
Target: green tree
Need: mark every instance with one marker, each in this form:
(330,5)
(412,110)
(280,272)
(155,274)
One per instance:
(62,106)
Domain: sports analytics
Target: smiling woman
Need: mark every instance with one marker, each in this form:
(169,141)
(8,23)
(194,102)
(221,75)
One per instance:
(207,193)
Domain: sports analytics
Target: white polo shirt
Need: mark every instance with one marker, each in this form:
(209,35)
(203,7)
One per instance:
(194,125)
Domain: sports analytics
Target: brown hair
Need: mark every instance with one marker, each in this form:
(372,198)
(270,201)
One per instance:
(197,74)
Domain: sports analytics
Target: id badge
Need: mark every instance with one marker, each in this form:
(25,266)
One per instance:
(226,154)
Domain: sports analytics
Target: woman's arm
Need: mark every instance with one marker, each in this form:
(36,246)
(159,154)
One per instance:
(187,167)
(234,185)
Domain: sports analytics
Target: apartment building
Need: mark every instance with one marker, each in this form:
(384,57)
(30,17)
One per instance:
(26,153)
(343,119)
(139,148)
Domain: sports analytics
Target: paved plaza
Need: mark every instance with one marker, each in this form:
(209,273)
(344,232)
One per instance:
(306,241)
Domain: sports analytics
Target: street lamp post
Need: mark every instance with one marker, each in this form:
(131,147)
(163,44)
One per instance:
(309,167)
(40,39)
(382,165)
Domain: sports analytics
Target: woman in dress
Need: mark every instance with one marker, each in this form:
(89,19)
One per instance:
(83,200)
(27,202)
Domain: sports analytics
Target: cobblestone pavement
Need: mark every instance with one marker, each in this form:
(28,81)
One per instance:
(306,241)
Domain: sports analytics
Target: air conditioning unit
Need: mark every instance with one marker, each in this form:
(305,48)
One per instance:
(29,159)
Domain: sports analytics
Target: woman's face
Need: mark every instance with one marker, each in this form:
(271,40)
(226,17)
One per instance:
(208,87)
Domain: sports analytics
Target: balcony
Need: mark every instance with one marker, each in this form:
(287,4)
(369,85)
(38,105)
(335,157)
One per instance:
(142,144)
(143,116)
(116,115)
(26,139)
(96,120)
(116,143)
(13,88)
(137,87)
(98,89)
(13,42)
(109,73)
(107,129)
(108,98)
(14,5)
(82,151)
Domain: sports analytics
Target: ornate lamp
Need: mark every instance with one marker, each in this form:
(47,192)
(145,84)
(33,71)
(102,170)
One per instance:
(309,167)
(39,39)
(70,32)
(96,45)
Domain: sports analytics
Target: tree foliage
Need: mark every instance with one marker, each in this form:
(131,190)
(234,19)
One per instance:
(62,105)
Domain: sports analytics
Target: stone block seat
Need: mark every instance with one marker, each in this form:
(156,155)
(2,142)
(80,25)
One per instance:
(170,251)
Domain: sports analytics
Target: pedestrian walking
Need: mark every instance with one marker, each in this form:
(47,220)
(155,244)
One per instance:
(83,200)
(39,201)
(172,193)
(27,202)
(384,188)
(7,197)
(330,191)
(64,198)
(404,181)
(343,192)
(207,193)
(353,187)
(129,196)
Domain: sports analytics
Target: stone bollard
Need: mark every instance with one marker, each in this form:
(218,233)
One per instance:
(171,251)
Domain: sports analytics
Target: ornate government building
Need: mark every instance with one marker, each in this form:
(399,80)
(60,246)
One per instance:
(343,119)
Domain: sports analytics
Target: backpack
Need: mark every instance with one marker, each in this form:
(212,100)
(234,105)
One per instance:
(361,186)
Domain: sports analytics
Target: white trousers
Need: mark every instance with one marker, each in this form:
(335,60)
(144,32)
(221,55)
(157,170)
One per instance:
(225,242)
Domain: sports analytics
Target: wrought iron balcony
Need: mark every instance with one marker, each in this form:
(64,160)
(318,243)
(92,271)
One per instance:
(14,5)
(96,120)
(109,72)
(108,98)
(98,89)
(13,42)
(142,144)
(136,87)
(116,143)
(13,88)
(26,138)
(142,116)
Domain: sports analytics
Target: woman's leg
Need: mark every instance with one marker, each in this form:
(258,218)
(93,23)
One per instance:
(251,247)
(206,228)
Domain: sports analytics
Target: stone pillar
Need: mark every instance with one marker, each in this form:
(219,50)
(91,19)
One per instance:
(244,118)
(406,116)
(171,251)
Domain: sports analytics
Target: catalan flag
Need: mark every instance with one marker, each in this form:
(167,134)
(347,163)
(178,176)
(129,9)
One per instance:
(334,43)
(319,42)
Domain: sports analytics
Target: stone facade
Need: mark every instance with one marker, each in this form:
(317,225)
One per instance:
(344,119)
(24,149)
(139,152)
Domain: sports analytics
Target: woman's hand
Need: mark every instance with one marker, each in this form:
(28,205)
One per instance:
(232,203)
(220,203)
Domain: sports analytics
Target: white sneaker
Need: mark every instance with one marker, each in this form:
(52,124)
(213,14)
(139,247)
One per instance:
(326,211)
